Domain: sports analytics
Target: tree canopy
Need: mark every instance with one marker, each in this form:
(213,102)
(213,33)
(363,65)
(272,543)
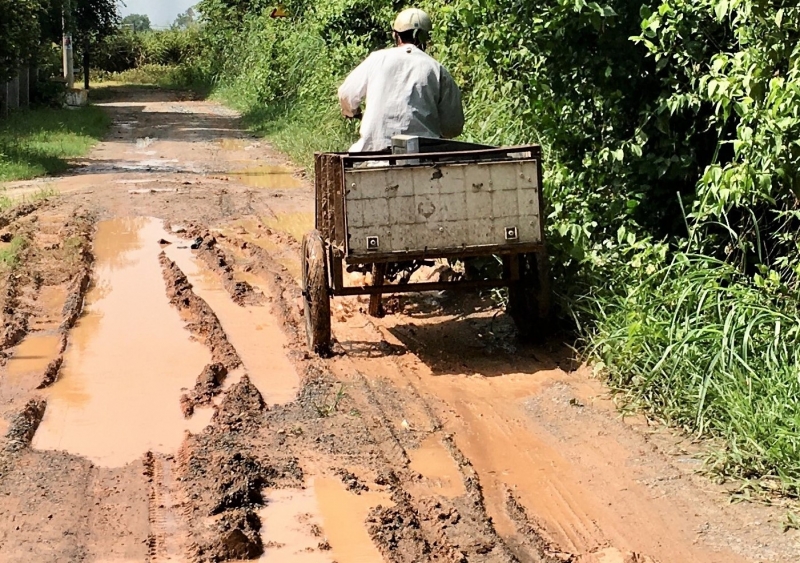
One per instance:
(185,20)
(136,22)
(29,25)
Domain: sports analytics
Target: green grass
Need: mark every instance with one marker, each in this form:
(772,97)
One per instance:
(7,202)
(9,252)
(699,345)
(299,129)
(40,142)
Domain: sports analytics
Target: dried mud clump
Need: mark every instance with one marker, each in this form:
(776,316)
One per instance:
(241,479)
(351,481)
(404,535)
(241,410)
(14,331)
(74,303)
(241,292)
(224,486)
(234,536)
(17,212)
(203,323)
(208,386)
(15,322)
(218,476)
(397,532)
(24,425)
(51,373)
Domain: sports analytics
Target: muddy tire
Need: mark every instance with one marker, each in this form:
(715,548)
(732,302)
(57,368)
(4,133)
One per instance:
(316,298)
(529,299)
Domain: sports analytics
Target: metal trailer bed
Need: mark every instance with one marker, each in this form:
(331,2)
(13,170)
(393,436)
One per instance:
(443,200)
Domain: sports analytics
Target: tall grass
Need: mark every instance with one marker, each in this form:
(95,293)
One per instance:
(699,345)
(41,141)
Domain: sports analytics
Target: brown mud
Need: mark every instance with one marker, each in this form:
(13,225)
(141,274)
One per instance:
(158,403)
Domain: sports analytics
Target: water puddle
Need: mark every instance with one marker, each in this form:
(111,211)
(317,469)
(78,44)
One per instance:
(249,230)
(34,354)
(50,301)
(128,360)
(268,177)
(232,144)
(291,528)
(344,517)
(253,330)
(440,473)
(295,225)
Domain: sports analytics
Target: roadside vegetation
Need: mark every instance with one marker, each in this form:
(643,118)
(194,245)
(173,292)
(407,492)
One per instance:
(41,141)
(670,129)
(164,58)
(9,252)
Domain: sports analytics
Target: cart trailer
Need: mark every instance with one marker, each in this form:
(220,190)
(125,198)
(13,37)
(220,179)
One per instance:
(426,199)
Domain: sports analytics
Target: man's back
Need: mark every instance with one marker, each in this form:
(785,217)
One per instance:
(407,92)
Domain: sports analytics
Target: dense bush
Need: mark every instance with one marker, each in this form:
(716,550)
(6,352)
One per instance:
(671,134)
(127,50)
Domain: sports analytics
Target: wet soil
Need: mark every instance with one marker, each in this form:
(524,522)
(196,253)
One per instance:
(157,401)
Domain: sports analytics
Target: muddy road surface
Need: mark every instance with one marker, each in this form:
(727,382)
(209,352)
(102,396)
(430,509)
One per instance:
(158,404)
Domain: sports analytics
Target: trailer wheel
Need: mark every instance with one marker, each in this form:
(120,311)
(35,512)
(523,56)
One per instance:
(529,299)
(316,298)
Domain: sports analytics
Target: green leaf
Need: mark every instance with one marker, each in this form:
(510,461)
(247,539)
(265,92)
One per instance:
(721,9)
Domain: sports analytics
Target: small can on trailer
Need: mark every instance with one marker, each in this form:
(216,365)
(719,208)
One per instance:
(426,199)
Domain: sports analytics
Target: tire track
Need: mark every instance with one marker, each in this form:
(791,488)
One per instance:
(168,535)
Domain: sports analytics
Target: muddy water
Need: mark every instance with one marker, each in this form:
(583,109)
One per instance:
(439,471)
(51,301)
(268,177)
(295,225)
(232,144)
(128,360)
(344,514)
(291,528)
(296,522)
(253,330)
(34,354)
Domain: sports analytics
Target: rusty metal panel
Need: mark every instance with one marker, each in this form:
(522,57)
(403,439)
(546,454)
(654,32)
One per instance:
(436,208)
(329,217)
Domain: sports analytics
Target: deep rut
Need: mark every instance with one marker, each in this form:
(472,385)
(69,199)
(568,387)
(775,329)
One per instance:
(433,527)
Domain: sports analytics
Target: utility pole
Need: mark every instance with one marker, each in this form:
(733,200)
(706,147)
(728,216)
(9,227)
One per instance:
(69,69)
(86,47)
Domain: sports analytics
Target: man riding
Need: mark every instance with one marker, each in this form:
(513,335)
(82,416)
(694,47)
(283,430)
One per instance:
(406,91)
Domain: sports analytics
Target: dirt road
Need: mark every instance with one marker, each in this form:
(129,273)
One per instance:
(158,403)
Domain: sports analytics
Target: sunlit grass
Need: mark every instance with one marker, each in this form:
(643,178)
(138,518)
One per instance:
(40,142)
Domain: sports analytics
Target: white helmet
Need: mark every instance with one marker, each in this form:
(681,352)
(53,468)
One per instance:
(414,19)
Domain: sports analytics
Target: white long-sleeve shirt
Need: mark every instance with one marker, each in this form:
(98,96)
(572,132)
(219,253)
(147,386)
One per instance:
(407,92)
